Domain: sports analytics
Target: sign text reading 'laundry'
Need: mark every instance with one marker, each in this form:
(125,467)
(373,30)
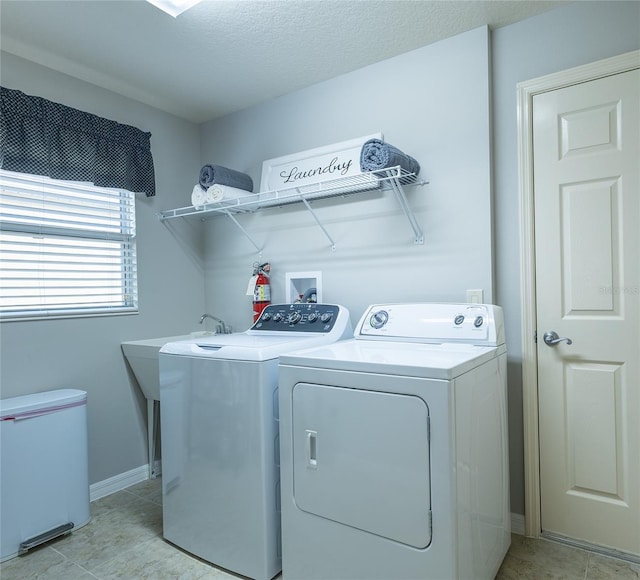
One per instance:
(333,167)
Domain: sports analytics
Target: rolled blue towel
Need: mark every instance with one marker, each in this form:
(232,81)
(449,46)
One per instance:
(217,174)
(377,154)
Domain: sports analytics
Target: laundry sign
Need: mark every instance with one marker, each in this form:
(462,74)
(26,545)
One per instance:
(314,165)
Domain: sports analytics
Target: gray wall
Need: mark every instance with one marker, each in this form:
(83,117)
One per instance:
(85,353)
(433,103)
(576,34)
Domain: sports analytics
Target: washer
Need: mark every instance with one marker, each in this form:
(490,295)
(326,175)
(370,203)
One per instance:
(220,448)
(394,448)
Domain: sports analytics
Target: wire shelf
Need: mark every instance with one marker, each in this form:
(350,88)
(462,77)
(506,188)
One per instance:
(393,178)
(363,182)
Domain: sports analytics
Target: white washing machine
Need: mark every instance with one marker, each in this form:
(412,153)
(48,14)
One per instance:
(394,460)
(220,448)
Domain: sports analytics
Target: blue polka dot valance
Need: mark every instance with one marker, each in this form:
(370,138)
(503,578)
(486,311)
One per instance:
(41,137)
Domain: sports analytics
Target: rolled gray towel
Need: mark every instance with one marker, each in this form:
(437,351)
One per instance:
(217,174)
(377,154)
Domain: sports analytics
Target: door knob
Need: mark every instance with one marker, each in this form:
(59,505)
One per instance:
(551,338)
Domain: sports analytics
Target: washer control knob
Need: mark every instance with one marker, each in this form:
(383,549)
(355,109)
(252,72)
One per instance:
(277,317)
(379,319)
(325,317)
(458,320)
(294,317)
(266,317)
(313,317)
(478,322)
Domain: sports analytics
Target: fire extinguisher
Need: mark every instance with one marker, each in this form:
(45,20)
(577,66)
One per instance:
(262,289)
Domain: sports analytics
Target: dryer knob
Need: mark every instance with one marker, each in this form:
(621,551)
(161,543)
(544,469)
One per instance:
(379,319)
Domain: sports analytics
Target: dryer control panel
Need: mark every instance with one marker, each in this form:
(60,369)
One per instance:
(477,324)
(298,317)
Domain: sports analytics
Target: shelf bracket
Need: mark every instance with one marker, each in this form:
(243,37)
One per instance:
(235,221)
(404,204)
(315,217)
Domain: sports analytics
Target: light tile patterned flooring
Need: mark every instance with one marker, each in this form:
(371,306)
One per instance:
(124,540)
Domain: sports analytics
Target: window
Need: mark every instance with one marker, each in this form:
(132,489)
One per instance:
(66,249)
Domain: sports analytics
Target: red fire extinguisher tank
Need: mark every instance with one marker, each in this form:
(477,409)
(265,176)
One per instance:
(262,289)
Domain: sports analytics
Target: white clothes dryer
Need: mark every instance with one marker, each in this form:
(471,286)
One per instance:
(220,448)
(394,460)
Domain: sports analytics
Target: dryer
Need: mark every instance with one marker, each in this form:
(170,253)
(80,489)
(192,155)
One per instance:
(394,448)
(220,447)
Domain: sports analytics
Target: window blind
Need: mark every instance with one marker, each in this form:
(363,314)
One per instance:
(66,248)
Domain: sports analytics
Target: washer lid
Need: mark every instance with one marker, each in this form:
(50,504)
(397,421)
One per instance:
(243,346)
(437,361)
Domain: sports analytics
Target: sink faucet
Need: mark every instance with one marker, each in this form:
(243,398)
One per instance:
(222,328)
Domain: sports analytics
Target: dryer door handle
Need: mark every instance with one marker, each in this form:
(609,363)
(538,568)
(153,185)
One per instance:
(312,448)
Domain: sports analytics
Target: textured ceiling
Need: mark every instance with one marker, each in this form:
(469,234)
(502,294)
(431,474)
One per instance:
(222,56)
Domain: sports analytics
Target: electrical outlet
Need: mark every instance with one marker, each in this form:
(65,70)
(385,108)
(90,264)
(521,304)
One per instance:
(475,296)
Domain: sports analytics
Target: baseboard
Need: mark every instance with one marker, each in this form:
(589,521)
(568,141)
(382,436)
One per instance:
(517,524)
(118,482)
(122,481)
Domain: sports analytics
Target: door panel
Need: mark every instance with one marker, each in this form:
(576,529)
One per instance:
(588,230)
(594,390)
(586,143)
(361,458)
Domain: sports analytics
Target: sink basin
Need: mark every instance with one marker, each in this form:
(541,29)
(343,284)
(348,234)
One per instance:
(143,359)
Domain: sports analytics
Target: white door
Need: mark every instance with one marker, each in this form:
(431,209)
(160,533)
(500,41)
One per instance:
(586,141)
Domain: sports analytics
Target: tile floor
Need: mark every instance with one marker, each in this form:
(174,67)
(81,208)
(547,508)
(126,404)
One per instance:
(124,540)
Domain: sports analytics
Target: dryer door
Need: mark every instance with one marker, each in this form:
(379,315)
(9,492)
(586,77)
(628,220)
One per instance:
(361,458)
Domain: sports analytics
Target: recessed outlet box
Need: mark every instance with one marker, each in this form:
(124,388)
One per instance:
(297,284)
(475,296)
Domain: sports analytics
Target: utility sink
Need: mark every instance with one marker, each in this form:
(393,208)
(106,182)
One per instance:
(143,360)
